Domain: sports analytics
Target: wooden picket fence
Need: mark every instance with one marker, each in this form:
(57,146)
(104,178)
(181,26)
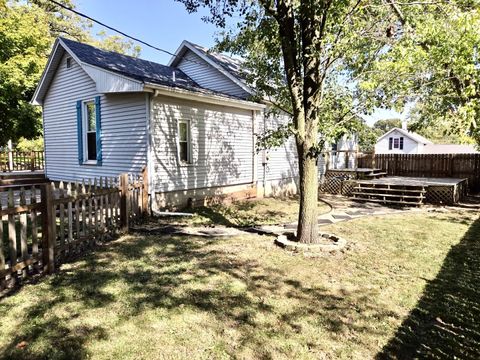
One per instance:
(22,161)
(42,226)
(463,166)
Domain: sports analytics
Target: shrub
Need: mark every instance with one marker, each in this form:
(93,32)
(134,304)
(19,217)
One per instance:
(30,144)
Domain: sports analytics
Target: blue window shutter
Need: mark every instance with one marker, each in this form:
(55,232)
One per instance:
(390,143)
(80,132)
(99,130)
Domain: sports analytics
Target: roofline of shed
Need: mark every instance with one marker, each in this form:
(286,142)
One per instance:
(206,98)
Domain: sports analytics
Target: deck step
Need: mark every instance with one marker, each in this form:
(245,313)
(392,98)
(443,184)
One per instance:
(389,194)
(419,197)
(23,181)
(376,174)
(388,201)
(380,189)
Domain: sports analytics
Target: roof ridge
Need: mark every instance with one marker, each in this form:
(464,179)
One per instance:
(116,53)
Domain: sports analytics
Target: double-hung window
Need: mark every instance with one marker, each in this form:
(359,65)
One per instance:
(184,142)
(89,131)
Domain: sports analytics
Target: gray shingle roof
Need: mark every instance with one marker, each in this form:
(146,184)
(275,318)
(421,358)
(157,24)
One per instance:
(142,70)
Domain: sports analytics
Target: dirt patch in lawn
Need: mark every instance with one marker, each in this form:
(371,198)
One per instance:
(267,211)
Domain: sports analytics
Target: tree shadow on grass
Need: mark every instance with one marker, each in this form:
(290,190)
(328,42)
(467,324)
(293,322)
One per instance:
(176,273)
(445,324)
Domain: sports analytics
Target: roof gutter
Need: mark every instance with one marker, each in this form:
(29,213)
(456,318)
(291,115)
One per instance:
(206,98)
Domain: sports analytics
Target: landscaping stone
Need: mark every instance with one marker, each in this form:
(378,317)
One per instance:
(336,244)
(341,217)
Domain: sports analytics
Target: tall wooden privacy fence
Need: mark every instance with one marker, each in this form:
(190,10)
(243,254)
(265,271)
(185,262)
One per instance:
(465,166)
(42,226)
(21,161)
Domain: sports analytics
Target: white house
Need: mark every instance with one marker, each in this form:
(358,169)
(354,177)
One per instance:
(191,123)
(400,141)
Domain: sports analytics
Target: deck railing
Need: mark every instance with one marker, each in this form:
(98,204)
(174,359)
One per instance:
(21,161)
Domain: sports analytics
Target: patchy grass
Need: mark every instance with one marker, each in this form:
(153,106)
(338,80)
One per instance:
(267,211)
(394,292)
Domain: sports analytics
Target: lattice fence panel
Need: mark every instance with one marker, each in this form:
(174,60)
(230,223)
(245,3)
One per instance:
(348,186)
(332,185)
(333,181)
(441,195)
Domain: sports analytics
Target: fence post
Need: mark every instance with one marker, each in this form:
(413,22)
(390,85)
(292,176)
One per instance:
(145,207)
(48,232)
(10,155)
(32,160)
(124,201)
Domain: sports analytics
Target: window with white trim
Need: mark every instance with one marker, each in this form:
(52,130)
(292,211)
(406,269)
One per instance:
(89,131)
(184,142)
(395,143)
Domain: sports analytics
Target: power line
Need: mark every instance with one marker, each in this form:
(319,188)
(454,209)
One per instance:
(122,33)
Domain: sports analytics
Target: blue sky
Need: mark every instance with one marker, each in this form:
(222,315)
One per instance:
(165,24)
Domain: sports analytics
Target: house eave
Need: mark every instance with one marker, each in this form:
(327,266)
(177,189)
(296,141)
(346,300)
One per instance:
(35,98)
(205,98)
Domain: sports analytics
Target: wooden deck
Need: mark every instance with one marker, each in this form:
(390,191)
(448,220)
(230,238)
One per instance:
(414,181)
(411,191)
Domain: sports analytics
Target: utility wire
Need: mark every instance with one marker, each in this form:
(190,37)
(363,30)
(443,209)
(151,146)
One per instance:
(121,32)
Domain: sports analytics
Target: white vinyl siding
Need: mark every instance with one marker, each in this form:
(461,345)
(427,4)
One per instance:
(124,138)
(208,77)
(281,163)
(221,145)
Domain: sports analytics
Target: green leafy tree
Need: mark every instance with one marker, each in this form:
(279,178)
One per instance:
(434,65)
(28,30)
(383,126)
(305,58)
(367,136)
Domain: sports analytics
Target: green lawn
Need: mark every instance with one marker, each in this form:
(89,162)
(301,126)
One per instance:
(406,284)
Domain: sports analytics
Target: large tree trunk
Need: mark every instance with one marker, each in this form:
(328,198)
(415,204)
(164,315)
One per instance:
(307,230)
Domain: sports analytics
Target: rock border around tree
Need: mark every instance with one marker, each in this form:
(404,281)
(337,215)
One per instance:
(285,242)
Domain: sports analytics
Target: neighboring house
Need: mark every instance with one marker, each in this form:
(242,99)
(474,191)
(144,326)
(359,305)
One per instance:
(190,123)
(400,141)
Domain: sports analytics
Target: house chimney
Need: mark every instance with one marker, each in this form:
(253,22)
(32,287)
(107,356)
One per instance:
(173,75)
(404,125)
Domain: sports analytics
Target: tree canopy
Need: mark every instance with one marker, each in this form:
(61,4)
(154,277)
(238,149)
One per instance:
(434,65)
(28,30)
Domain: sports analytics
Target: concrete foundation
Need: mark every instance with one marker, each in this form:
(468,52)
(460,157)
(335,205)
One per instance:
(203,197)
